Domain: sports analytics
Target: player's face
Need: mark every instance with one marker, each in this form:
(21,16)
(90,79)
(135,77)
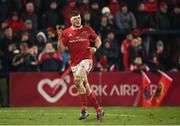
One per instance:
(76,21)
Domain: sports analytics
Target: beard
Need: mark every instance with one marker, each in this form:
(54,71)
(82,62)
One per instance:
(77,25)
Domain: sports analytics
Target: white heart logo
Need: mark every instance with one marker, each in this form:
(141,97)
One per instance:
(52,84)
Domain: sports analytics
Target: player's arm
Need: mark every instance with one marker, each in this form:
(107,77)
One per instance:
(97,43)
(60,45)
(96,46)
(95,39)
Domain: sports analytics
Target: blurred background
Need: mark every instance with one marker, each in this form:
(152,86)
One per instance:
(136,35)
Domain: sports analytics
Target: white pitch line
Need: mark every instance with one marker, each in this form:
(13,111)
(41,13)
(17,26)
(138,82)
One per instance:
(110,114)
(60,113)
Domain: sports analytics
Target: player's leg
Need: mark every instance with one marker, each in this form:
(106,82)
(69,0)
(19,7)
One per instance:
(93,99)
(90,94)
(78,81)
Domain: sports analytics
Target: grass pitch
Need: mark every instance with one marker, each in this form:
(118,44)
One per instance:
(69,116)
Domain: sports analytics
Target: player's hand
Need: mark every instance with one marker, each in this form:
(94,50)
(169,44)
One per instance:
(92,49)
(59,31)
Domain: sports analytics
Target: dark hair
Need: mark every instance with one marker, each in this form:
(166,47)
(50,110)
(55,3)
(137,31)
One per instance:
(74,13)
(124,4)
(15,13)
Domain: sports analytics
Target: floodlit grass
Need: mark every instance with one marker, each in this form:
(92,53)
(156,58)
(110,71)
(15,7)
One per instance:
(69,116)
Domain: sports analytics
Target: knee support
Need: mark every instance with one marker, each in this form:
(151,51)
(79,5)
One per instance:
(78,81)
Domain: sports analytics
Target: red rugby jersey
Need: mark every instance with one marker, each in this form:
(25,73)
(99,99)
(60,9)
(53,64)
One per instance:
(77,41)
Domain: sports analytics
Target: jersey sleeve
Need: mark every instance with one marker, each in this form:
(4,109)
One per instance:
(64,38)
(92,34)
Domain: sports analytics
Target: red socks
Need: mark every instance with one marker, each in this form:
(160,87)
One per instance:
(83,100)
(93,99)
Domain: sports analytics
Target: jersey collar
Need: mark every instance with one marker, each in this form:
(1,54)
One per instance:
(75,28)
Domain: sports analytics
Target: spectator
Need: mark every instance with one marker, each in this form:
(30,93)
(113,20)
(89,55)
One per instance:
(30,14)
(104,27)
(124,50)
(40,41)
(6,59)
(12,52)
(138,65)
(144,19)
(24,61)
(3,25)
(107,12)
(95,15)
(159,59)
(131,4)
(15,22)
(34,51)
(29,28)
(154,63)
(51,17)
(51,33)
(175,18)
(163,19)
(152,8)
(114,6)
(87,18)
(125,19)
(25,38)
(46,3)
(7,40)
(86,5)
(111,49)
(5,9)
(136,49)
(50,59)
(19,5)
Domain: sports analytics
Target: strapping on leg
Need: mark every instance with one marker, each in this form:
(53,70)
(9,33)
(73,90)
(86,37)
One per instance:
(78,81)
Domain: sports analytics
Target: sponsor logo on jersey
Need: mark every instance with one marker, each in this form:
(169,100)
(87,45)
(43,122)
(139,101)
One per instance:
(70,35)
(84,32)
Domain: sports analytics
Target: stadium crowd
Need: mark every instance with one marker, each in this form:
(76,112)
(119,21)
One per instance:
(28,35)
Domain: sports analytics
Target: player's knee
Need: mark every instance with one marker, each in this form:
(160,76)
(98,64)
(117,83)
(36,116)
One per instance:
(82,89)
(87,87)
(78,79)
